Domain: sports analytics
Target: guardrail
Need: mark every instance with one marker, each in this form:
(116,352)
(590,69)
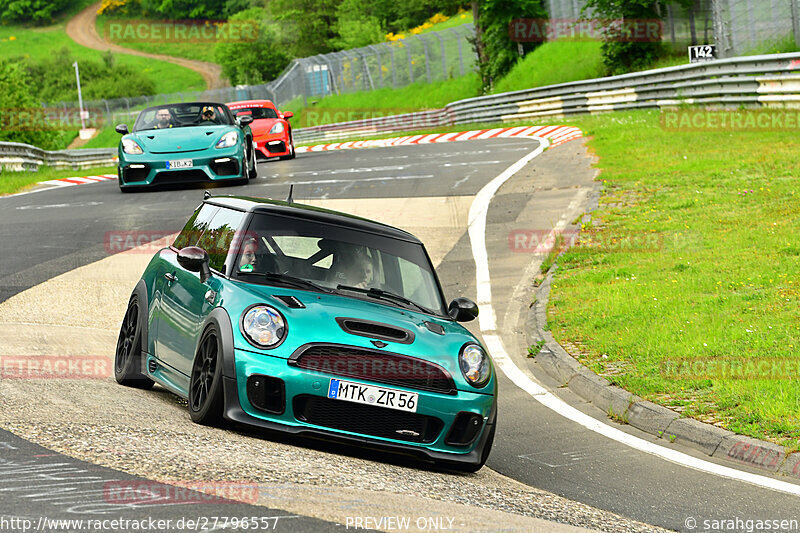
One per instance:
(19,156)
(750,81)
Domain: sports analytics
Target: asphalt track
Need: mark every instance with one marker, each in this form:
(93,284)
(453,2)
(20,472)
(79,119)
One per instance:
(52,232)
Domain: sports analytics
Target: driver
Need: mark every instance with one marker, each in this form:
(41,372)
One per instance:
(163,119)
(352,266)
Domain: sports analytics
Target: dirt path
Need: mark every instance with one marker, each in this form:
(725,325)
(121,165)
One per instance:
(81,29)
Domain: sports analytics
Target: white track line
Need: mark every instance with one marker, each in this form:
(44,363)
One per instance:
(477,235)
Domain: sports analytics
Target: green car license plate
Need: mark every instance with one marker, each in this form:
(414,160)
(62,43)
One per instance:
(370,395)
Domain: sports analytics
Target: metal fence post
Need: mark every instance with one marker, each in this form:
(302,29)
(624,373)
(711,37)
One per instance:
(460,50)
(444,55)
(427,59)
(380,64)
(795,21)
(410,63)
(391,57)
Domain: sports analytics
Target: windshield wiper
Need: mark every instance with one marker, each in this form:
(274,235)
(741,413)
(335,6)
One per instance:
(289,280)
(386,295)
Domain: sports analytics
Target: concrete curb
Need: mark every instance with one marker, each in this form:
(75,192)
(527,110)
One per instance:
(656,420)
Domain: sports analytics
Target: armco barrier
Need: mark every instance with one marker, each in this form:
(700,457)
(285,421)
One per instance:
(19,156)
(751,81)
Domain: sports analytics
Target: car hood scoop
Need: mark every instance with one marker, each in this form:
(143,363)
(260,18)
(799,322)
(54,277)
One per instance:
(375,330)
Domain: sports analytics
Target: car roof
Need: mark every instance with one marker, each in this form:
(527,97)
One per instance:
(319,214)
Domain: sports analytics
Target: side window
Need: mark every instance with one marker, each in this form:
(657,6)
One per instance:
(195,227)
(217,238)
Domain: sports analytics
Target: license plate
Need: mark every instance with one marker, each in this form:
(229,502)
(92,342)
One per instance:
(180,163)
(369,395)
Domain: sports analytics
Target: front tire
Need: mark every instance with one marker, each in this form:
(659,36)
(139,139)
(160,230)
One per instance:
(253,173)
(128,356)
(205,386)
(292,154)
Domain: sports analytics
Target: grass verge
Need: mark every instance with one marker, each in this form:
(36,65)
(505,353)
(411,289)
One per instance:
(14,182)
(39,43)
(691,273)
(185,49)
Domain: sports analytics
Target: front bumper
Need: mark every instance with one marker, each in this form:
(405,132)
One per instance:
(147,170)
(300,384)
(273,145)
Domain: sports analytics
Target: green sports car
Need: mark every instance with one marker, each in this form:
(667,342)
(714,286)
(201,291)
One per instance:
(186,143)
(309,321)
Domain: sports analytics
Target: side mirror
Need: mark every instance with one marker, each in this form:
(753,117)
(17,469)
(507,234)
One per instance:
(244,120)
(462,310)
(288,115)
(122,128)
(195,259)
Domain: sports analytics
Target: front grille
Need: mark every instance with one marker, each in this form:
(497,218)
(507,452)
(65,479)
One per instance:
(276,148)
(227,168)
(366,419)
(266,393)
(180,176)
(135,174)
(375,330)
(373,365)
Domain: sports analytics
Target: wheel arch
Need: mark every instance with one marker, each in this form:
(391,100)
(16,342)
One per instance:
(220,320)
(142,294)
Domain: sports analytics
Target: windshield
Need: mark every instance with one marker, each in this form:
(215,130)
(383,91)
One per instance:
(182,115)
(256,112)
(334,257)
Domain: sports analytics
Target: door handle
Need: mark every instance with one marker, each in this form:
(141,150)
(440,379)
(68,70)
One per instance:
(170,277)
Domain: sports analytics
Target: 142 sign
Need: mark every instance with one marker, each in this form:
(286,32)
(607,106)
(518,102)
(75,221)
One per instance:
(703,52)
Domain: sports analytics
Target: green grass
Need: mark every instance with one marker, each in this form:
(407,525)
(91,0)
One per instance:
(554,62)
(40,43)
(188,50)
(105,138)
(13,182)
(386,101)
(718,277)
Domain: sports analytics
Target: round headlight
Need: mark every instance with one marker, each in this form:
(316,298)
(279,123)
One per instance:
(475,365)
(263,326)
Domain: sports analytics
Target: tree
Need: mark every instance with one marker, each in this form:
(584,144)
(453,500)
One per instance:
(21,113)
(621,51)
(252,62)
(497,53)
(305,27)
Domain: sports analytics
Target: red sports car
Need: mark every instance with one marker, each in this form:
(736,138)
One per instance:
(272,133)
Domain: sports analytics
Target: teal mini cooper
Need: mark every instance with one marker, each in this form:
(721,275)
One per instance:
(186,143)
(313,322)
